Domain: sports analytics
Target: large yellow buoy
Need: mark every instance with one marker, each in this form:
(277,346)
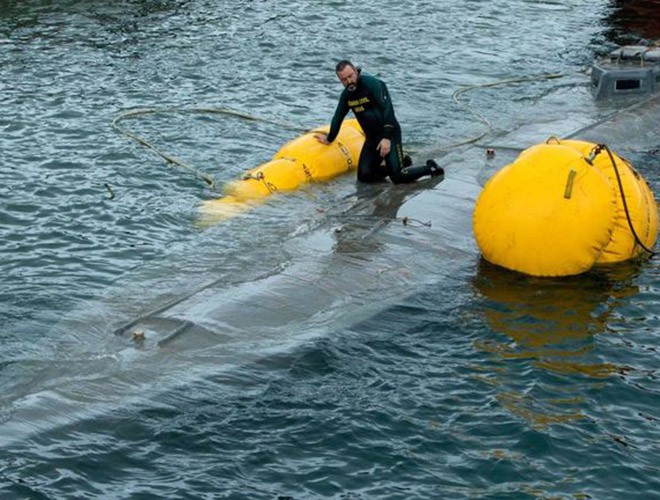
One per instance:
(301,161)
(563,207)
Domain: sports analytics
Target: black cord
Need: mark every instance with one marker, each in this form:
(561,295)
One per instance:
(593,154)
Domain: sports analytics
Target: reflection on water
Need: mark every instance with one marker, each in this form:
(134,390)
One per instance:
(377,205)
(552,321)
(549,324)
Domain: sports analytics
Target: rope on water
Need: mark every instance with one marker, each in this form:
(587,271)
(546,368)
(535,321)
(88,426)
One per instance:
(208,179)
(510,81)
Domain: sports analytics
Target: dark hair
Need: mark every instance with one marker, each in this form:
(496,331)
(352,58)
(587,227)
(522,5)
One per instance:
(342,64)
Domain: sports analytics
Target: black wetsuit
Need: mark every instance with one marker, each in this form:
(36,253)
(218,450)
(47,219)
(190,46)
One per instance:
(372,106)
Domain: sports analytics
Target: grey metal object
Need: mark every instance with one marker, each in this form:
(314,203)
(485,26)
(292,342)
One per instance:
(633,69)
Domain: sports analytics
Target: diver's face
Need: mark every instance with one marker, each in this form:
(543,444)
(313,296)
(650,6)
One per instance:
(348,77)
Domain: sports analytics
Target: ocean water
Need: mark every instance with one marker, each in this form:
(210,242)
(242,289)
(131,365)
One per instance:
(366,371)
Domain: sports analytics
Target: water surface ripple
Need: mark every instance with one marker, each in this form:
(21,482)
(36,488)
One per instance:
(464,382)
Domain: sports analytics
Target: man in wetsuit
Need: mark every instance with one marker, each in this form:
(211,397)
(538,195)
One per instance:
(370,102)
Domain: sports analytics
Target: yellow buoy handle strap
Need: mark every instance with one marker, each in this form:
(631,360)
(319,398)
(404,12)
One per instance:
(595,152)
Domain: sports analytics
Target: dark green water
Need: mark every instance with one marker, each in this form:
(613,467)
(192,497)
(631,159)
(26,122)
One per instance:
(441,378)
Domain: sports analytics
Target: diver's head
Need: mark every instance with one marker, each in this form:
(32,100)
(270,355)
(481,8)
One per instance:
(348,74)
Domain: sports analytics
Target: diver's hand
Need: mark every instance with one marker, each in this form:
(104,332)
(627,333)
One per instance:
(384,147)
(322,138)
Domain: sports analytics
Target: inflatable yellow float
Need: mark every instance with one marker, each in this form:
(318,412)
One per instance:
(300,161)
(562,207)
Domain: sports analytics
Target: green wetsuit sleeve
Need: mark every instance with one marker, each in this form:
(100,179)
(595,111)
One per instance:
(338,118)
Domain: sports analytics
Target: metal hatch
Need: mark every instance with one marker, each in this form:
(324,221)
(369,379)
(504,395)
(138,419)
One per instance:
(632,69)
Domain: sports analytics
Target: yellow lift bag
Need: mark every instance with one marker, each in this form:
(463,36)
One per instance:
(300,161)
(562,207)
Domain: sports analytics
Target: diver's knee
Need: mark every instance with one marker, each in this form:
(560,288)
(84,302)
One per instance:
(399,178)
(369,178)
